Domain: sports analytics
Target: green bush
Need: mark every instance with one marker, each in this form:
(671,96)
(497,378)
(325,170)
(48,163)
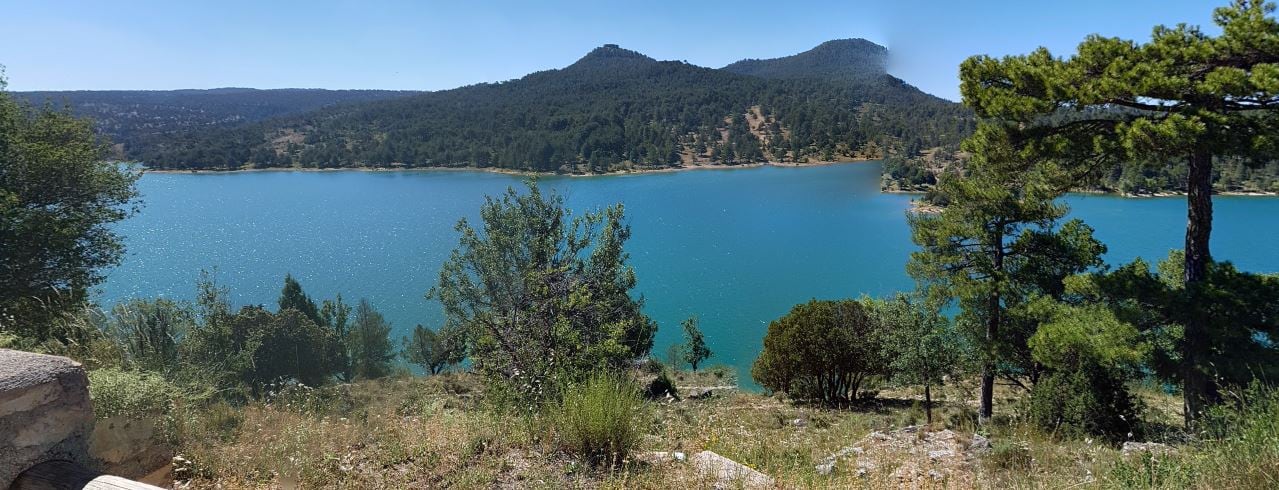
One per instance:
(596,419)
(1091,401)
(821,350)
(1090,356)
(136,395)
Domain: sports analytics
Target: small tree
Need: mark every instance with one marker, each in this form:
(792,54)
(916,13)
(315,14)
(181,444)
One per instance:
(920,345)
(694,350)
(434,351)
(292,296)
(335,314)
(821,350)
(543,298)
(370,343)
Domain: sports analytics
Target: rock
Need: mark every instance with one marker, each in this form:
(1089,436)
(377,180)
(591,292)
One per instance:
(825,468)
(980,443)
(1130,448)
(936,475)
(700,394)
(128,447)
(940,454)
(660,457)
(45,412)
(728,473)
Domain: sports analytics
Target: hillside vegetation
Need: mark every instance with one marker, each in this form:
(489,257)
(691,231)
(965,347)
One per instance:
(612,109)
(135,119)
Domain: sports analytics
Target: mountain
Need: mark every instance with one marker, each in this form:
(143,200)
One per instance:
(134,118)
(612,109)
(838,59)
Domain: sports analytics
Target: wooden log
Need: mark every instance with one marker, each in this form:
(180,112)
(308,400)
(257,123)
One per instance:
(65,475)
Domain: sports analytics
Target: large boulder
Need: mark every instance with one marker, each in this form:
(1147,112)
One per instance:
(45,413)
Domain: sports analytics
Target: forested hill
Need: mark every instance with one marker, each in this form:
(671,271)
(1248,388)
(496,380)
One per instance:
(839,59)
(133,119)
(612,109)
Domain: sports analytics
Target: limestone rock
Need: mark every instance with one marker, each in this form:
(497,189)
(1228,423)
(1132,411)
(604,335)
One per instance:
(44,406)
(727,473)
(1129,448)
(660,457)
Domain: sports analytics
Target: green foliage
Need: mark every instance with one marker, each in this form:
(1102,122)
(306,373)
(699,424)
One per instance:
(612,109)
(920,345)
(149,331)
(137,120)
(1238,311)
(246,350)
(1239,442)
(335,314)
(543,299)
(1090,356)
(694,350)
(821,350)
(996,244)
(1117,100)
(137,395)
(598,419)
(292,297)
(1182,96)
(434,351)
(1090,400)
(58,199)
(370,343)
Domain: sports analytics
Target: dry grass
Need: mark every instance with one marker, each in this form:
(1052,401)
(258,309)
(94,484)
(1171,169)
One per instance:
(437,433)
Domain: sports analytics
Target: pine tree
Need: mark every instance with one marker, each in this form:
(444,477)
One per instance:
(694,349)
(1184,95)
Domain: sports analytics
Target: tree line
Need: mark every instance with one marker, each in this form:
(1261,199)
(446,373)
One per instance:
(612,109)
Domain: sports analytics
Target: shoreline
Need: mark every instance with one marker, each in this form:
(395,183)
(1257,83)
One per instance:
(1125,196)
(504,171)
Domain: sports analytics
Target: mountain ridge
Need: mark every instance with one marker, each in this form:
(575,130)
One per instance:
(612,109)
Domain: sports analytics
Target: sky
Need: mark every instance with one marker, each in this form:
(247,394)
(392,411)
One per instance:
(432,45)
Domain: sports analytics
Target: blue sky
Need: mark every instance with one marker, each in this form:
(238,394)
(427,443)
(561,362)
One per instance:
(429,45)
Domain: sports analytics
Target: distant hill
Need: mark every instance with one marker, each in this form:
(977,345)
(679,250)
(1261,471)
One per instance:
(839,59)
(134,118)
(612,109)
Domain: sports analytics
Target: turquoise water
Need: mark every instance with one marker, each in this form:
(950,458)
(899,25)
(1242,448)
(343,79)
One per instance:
(737,247)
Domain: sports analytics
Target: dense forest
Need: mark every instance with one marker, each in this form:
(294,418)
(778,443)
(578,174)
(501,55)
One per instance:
(133,119)
(612,109)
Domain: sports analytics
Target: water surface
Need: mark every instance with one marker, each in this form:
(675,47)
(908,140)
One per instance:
(737,247)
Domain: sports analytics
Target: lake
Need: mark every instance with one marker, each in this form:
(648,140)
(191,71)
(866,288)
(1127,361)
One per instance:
(736,247)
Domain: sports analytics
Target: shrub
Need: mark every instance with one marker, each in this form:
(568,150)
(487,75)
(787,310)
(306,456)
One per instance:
(596,419)
(1093,400)
(136,395)
(660,387)
(1090,356)
(821,350)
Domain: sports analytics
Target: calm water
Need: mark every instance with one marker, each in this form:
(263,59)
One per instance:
(737,248)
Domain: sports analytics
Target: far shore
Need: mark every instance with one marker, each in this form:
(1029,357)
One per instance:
(639,170)
(1121,194)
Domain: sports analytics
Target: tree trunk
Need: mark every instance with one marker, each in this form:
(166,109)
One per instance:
(1196,390)
(992,330)
(928,402)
